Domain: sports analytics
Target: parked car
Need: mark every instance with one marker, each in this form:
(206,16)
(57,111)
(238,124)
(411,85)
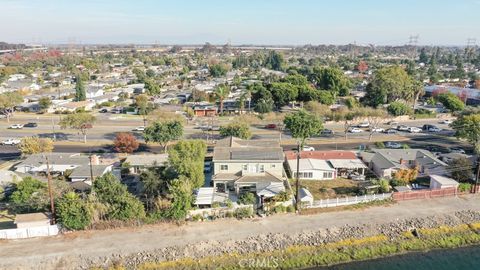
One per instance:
(104,110)
(11,142)
(446,122)
(355,130)
(140,128)
(402,128)
(326,132)
(214,128)
(271,126)
(31,125)
(16,126)
(364,125)
(391,131)
(426,127)
(414,130)
(393,145)
(457,150)
(392,123)
(434,129)
(308,148)
(377,129)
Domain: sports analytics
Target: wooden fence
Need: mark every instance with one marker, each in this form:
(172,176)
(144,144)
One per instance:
(424,194)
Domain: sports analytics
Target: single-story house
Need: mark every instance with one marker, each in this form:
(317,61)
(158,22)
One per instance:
(88,105)
(205,110)
(84,173)
(59,162)
(32,220)
(441,182)
(386,162)
(139,163)
(324,165)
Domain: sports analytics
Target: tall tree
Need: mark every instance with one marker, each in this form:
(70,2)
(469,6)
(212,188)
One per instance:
(80,92)
(73,212)
(221,93)
(236,129)
(125,142)
(467,126)
(331,79)
(303,125)
(143,107)
(79,121)
(186,158)
(163,132)
(35,145)
(44,103)
(8,101)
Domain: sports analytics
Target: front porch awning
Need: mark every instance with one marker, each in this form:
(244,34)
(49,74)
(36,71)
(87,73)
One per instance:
(269,190)
(347,164)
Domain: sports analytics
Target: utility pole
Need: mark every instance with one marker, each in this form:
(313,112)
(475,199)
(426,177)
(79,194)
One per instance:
(91,168)
(53,130)
(477,175)
(297,182)
(50,192)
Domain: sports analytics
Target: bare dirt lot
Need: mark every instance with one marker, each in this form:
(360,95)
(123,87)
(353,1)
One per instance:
(75,249)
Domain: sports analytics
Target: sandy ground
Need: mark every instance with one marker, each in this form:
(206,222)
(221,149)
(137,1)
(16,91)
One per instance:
(14,254)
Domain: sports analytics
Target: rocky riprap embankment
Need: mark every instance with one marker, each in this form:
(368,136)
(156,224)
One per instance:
(268,242)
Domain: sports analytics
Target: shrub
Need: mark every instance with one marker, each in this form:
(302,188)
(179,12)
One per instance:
(380,145)
(215,205)
(463,187)
(229,214)
(244,212)
(247,198)
(279,209)
(229,204)
(398,108)
(290,209)
(73,212)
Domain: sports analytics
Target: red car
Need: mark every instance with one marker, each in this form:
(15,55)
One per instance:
(271,126)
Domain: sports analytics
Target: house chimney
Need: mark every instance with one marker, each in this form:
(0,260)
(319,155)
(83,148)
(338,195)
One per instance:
(401,161)
(95,160)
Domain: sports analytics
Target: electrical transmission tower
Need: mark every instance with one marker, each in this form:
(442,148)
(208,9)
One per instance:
(412,42)
(471,42)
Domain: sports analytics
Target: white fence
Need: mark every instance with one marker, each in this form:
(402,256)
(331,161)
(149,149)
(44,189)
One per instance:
(48,230)
(349,200)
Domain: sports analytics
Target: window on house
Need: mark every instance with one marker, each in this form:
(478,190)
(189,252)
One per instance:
(224,167)
(244,167)
(327,175)
(308,175)
(272,166)
(262,168)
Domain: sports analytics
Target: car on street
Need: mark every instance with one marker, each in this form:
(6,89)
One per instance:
(31,125)
(393,145)
(16,126)
(402,128)
(271,126)
(457,150)
(446,122)
(11,142)
(377,129)
(308,148)
(327,132)
(363,125)
(104,110)
(434,129)
(391,131)
(392,123)
(140,128)
(414,130)
(355,130)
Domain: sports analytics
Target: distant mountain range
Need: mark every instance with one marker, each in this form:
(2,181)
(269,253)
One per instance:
(8,46)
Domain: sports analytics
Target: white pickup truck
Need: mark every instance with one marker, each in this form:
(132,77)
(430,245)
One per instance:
(11,142)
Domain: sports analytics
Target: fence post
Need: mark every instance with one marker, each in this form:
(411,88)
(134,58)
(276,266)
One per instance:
(327,202)
(374,197)
(356,198)
(337,202)
(321,201)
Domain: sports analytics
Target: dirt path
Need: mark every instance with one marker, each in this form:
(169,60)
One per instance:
(33,253)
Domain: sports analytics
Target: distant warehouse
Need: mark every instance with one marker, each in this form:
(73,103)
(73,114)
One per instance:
(472,96)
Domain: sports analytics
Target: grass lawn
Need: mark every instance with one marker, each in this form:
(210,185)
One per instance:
(328,189)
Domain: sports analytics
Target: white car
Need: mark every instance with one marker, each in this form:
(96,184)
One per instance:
(402,128)
(457,150)
(308,148)
(377,129)
(11,142)
(355,130)
(414,130)
(140,128)
(393,145)
(364,125)
(446,122)
(434,129)
(16,126)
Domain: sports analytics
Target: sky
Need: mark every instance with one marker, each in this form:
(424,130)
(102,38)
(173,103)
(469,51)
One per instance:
(263,22)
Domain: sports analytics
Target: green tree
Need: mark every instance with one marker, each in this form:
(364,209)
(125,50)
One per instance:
(181,191)
(153,182)
(79,121)
(121,204)
(236,129)
(303,125)
(222,92)
(423,58)
(152,87)
(264,105)
(44,103)
(468,127)
(274,60)
(461,169)
(398,108)
(73,212)
(163,132)
(218,70)
(29,195)
(35,145)
(283,93)
(331,79)
(8,101)
(143,106)
(388,84)
(451,102)
(80,93)
(187,158)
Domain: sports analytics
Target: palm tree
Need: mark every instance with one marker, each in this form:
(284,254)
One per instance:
(222,93)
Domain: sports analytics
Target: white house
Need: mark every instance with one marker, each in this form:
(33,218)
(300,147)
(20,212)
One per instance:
(312,169)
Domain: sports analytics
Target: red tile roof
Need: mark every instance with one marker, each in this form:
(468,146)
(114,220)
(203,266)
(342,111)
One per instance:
(325,155)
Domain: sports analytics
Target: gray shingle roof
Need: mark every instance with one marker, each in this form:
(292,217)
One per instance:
(236,149)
